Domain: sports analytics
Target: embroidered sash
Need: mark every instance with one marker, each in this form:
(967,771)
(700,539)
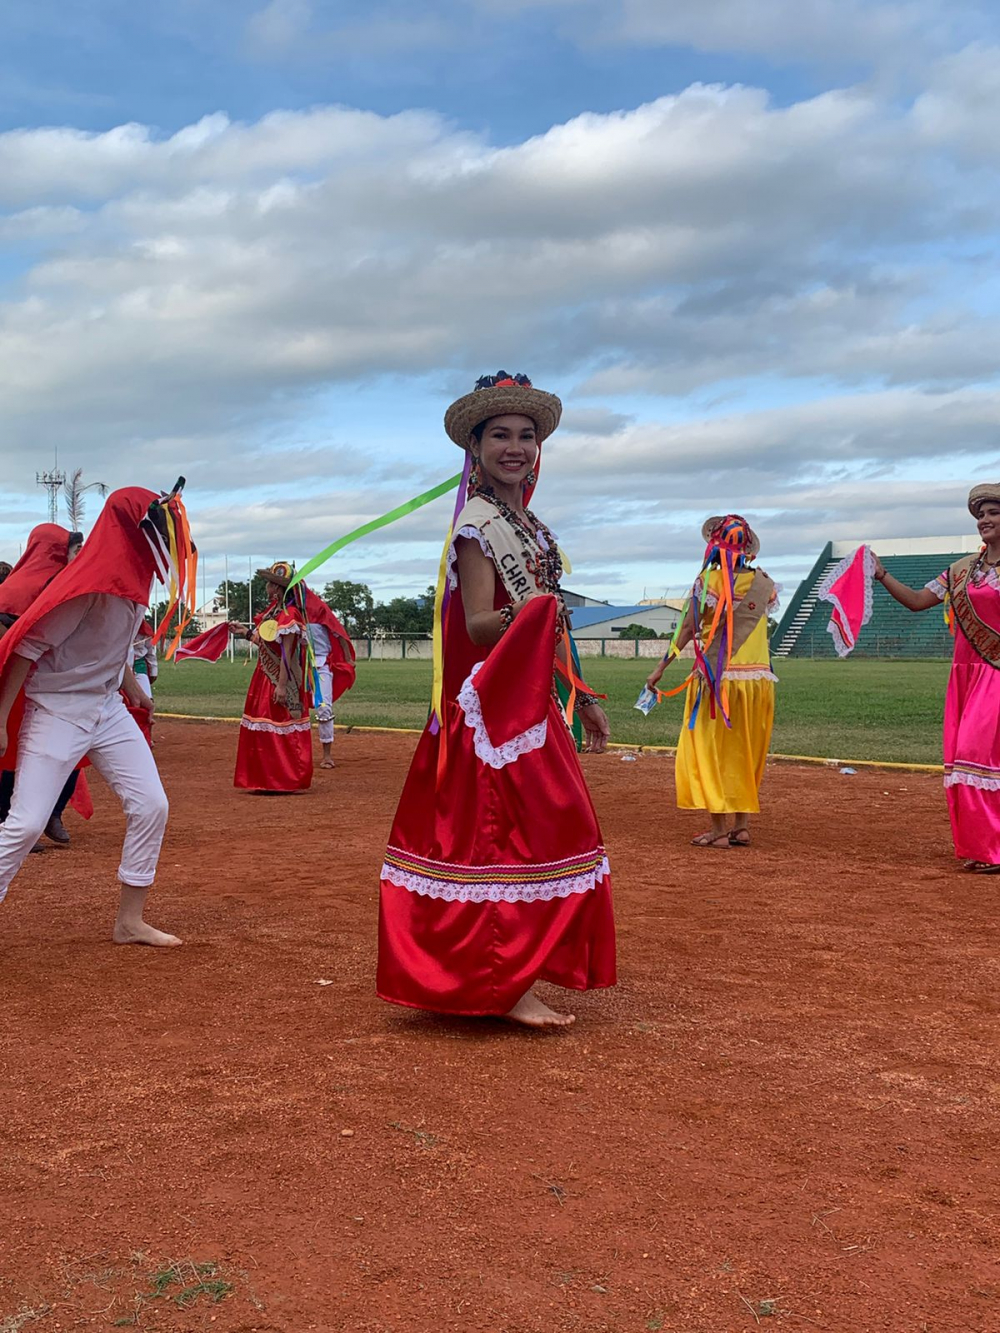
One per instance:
(269,660)
(751,609)
(507,548)
(985,639)
(520,559)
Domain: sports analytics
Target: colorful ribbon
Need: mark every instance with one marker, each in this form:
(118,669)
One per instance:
(442,488)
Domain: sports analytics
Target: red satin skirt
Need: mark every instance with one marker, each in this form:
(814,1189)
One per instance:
(494,878)
(274,752)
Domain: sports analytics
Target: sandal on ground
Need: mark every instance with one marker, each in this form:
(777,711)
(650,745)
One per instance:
(739,837)
(718,842)
(987,869)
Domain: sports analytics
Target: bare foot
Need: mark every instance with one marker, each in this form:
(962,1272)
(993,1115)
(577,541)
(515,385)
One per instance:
(327,763)
(142,933)
(532,1013)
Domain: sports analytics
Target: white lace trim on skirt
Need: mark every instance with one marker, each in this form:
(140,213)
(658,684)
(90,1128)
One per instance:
(543,890)
(958,776)
(274,728)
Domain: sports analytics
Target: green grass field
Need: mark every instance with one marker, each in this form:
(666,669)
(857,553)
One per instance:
(843,710)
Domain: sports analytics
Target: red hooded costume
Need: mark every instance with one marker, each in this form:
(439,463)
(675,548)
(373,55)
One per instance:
(45,555)
(122,555)
(340,662)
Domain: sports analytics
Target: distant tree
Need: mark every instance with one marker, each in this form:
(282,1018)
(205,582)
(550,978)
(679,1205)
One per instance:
(353,604)
(407,616)
(239,598)
(634,631)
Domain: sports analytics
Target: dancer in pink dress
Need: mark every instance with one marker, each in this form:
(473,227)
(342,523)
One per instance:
(971,592)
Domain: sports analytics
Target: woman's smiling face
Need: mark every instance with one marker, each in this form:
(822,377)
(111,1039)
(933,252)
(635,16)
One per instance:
(988,521)
(507,449)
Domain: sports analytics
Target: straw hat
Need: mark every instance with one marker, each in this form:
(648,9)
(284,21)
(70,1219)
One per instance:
(496,396)
(987,491)
(712,525)
(280,574)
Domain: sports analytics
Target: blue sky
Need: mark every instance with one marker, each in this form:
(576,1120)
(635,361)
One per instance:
(752,247)
(505,75)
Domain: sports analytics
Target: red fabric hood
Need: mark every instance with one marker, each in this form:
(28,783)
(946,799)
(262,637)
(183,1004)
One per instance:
(44,556)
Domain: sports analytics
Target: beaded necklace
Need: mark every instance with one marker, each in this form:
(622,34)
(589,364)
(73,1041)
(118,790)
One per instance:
(540,551)
(979,572)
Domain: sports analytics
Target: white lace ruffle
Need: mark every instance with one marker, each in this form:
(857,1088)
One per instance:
(274,728)
(939,589)
(467,531)
(541,891)
(824,594)
(751,673)
(497,756)
(289,629)
(989,578)
(964,778)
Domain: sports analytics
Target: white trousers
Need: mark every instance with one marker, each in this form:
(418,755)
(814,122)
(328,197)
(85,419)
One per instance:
(324,713)
(143,681)
(49,748)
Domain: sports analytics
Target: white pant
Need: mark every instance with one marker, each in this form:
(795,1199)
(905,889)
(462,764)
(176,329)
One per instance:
(324,713)
(144,683)
(49,748)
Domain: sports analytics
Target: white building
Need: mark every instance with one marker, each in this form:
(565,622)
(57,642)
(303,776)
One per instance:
(607,622)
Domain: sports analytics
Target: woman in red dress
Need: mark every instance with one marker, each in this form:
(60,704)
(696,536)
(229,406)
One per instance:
(275,746)
(495,876)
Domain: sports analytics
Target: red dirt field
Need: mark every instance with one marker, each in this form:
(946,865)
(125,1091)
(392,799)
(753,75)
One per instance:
(785,1116)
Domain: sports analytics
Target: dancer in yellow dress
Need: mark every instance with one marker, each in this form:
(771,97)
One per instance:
(729,711)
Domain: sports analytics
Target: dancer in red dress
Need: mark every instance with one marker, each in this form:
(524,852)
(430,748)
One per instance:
(275,746)
(496,876)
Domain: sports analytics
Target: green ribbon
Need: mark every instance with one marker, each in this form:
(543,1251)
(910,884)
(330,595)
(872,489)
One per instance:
(442,488)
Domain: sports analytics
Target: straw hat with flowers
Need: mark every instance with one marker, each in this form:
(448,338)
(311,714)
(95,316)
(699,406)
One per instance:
(497,396)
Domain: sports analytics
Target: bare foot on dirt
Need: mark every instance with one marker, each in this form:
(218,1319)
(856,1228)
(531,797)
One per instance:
(327,763)
(143,933)
(532,1013)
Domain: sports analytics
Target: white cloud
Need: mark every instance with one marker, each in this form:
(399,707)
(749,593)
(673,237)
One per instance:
(186,300)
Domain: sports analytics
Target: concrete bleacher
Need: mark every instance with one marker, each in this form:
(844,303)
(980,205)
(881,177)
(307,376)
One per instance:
(892,631)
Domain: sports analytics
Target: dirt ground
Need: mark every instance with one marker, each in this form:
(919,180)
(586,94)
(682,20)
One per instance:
(785,1116)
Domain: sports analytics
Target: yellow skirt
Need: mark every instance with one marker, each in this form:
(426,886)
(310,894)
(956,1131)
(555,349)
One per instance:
(720,768)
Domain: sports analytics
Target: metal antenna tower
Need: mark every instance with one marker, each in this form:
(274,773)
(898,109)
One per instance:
(53,481)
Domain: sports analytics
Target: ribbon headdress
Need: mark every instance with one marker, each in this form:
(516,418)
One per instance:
(168,532)
(731,545)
